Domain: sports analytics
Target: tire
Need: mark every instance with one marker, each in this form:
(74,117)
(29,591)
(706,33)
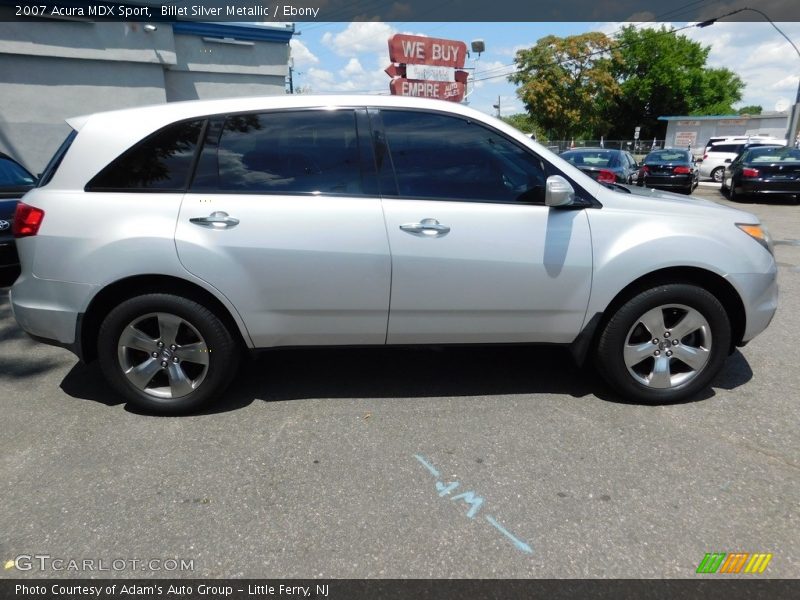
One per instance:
(626,351)
(733,195)
(688,191)
(717,174)
(166,354)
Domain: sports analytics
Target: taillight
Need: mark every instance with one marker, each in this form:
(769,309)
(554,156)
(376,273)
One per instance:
(705,156)
(27,220)
(749,172)
(682,170)
(606,176)
(645,169)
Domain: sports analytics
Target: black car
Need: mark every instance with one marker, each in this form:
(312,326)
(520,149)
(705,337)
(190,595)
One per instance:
(669,169)
(766,171)
(604,165)
(14,182)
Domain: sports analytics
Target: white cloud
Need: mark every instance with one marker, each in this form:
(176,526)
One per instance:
(303,57)
(359,37)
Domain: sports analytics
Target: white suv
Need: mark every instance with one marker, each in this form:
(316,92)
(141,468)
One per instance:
(716,155)
(167,241)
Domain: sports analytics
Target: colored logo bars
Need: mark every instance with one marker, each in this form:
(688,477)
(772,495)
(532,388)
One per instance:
(720,562)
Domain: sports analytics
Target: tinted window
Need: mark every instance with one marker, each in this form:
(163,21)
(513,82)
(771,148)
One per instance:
(591,158)
(13,175)
(733,148)
(161,162)
(438,156)
(668,156)
(282,152)
(768,155)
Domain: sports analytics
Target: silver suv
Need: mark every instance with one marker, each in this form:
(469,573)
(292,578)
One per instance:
(167,241)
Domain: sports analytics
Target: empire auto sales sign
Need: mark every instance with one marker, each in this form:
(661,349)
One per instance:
(427,67)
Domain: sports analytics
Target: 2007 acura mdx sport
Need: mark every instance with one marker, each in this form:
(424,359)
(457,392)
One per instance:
(166,241)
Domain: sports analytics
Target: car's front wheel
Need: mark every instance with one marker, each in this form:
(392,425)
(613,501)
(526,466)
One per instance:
(166,354)
(665,344)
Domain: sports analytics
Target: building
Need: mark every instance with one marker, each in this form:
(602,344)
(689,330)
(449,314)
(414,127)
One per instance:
(58,69)
(695,131)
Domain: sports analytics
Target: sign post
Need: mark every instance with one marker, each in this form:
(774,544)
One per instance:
(427,67)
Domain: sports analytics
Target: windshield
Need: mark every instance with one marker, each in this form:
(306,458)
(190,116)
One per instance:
(591,158)
(13,175)
(780,154)
(668,156)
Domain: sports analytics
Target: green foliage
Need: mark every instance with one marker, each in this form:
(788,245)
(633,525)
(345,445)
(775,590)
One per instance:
(563,80)
(523,122)
(591,85)
(665,74)
(752,109)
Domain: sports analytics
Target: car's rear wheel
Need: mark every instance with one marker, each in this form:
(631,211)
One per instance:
(166,354)
(665,344)
(717,174)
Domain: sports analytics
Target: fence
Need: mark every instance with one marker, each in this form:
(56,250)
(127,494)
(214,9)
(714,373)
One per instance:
(632,146)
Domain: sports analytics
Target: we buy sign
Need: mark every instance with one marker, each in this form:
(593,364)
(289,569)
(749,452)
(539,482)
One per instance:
(440,79)
(419,50)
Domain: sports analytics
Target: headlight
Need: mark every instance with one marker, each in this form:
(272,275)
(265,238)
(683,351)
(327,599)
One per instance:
(759,233)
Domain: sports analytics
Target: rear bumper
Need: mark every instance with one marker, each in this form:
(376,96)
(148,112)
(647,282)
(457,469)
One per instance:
(771,188)
(669,182)
(50,311)
(8,253)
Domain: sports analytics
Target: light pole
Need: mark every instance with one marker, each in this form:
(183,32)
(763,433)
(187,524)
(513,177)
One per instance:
(791,132)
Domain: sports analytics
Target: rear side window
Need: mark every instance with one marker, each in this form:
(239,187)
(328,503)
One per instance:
(732,148)
(162,162)
(305,152)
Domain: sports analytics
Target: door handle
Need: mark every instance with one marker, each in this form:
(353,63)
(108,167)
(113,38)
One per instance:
(216,220)
(426,228)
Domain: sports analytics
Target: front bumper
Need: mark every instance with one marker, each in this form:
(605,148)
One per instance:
(49,310)
(759,293)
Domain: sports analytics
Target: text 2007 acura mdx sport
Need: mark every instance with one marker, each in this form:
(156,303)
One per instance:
(166,241)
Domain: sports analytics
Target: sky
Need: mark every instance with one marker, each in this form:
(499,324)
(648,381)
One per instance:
(351,57)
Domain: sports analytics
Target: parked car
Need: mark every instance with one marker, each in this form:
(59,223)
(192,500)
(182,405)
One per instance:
(217,227)
(15,180)
(669,169)
(713,164)
(604,165)
(764,171)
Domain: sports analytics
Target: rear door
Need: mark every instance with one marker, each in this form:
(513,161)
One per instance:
(284,221)
(476,255)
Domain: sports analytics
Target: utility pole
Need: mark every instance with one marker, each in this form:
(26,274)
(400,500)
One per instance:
(497,106)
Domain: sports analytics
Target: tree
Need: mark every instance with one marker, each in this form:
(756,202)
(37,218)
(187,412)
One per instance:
(523,122)
(563,81)
(752,109)
(660,74)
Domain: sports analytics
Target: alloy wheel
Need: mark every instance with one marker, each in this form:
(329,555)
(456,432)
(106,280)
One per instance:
(163,355)
(667,346)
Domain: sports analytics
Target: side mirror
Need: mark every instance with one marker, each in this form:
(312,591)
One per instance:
(558,191)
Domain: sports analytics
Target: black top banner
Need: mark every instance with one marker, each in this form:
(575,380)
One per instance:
(402,10)
(387,589)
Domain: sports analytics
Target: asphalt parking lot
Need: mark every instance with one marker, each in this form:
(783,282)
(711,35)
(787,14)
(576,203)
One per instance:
(360,463)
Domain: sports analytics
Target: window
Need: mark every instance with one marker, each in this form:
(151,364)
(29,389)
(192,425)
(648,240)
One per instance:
(732,148)
(444,157)
(13,175)
(310,151)
(161,162)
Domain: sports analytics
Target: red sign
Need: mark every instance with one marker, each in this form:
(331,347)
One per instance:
(420,50)
(443,90)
